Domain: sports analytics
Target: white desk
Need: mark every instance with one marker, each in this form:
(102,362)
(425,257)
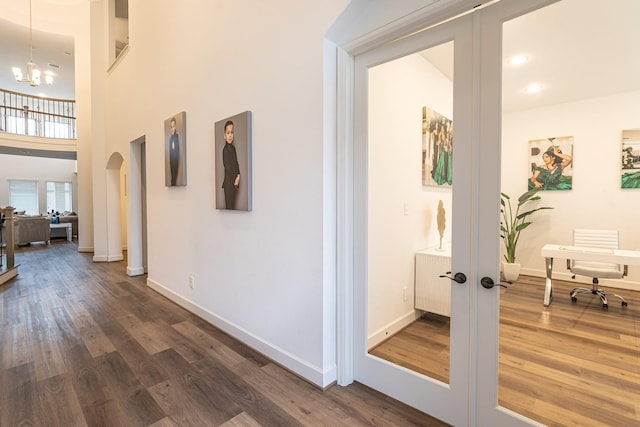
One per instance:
(616,256)
(66,225)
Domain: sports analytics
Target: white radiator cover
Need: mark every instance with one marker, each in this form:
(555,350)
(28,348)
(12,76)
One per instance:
(432,292)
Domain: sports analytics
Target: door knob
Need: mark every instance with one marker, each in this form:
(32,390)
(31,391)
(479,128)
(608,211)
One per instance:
(487,283)
(458,277)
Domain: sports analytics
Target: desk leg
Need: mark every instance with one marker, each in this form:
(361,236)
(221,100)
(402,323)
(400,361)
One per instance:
(548,286)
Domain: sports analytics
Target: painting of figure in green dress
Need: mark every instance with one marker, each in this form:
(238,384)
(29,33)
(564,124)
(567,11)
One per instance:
(551,162)
(437,149)
(630,159)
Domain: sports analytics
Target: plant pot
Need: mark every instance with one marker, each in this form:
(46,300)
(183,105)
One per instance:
(510,271)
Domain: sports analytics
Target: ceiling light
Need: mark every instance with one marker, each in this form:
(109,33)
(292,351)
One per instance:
(534,88)
(517,60)
(33,73)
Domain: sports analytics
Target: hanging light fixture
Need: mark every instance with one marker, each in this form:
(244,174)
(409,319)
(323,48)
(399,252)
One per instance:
(33,73)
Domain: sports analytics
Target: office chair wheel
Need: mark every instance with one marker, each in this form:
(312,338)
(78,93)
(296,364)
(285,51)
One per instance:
(574,299)
(624,303)
(605,306)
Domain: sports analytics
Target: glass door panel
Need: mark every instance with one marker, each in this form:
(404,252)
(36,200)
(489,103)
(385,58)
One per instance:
(410,162)
(412,325)
(570,91)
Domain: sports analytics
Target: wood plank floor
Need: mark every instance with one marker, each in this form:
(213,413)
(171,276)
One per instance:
(83,344)
(571,364)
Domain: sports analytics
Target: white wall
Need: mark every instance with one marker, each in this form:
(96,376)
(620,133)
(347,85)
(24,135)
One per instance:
(397,92)
(596,200)
(257,274)
(39,169)
(260,274)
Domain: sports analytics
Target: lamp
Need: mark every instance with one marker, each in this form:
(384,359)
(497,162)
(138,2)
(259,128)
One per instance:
(33,73)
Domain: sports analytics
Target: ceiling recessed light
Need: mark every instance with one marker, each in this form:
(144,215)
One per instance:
(517,60)
(533,88)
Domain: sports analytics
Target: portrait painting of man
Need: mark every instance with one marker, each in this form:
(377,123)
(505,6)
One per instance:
(232,147)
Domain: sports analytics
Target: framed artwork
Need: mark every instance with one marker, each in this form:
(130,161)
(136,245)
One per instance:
(551,163)
(232,147)
(437,149)
(175,150)
(630,159)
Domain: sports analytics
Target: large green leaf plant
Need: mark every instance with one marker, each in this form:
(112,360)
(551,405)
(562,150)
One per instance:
(513,222)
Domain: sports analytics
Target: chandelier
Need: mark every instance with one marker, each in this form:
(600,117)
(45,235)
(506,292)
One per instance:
(33,73)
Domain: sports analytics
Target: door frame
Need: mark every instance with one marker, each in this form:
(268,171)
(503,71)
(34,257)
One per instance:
(484,309)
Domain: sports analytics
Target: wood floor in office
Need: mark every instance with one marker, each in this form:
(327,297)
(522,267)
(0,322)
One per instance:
(83,344)
(571,364)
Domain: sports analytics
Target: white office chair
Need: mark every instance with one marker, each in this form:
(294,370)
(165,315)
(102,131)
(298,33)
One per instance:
(605,239)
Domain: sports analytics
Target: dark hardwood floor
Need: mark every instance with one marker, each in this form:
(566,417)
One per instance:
(83,344)
(571,364)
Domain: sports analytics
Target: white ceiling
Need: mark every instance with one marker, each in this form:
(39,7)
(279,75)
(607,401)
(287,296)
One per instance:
(48,49)
(577,49)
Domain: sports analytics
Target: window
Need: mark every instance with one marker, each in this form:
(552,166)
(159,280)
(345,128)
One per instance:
(23,196)
(15,124)
(56,130)
(120,26)
(59,196)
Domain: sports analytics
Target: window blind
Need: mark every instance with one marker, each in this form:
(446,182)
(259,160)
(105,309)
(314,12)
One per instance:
(23,196)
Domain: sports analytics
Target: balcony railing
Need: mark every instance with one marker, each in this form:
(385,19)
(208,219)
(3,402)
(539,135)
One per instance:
(31,115)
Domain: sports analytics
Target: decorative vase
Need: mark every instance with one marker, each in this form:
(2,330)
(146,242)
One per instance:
(510,271)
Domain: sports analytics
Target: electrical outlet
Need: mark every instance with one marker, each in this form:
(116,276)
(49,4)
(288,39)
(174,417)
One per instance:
(191,283)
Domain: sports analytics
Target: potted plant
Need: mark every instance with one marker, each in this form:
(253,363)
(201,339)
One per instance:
(512,223)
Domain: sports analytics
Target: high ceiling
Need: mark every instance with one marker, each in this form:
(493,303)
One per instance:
(48,49)
(54,26)
(592,41)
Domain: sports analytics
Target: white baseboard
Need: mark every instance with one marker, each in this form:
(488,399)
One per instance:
(107,258)
(392,328)
(135,271)
(287,360)
(85,249)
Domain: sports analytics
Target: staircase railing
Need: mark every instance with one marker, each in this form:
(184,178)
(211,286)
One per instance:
(31,115)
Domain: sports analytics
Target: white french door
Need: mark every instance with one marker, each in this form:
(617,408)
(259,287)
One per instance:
(385,210)
(409,96)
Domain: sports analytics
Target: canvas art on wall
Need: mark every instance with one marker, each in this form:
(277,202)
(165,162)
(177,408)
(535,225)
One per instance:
(437,149)
(232,147)
(175,150)
(630,159)
(551,163)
